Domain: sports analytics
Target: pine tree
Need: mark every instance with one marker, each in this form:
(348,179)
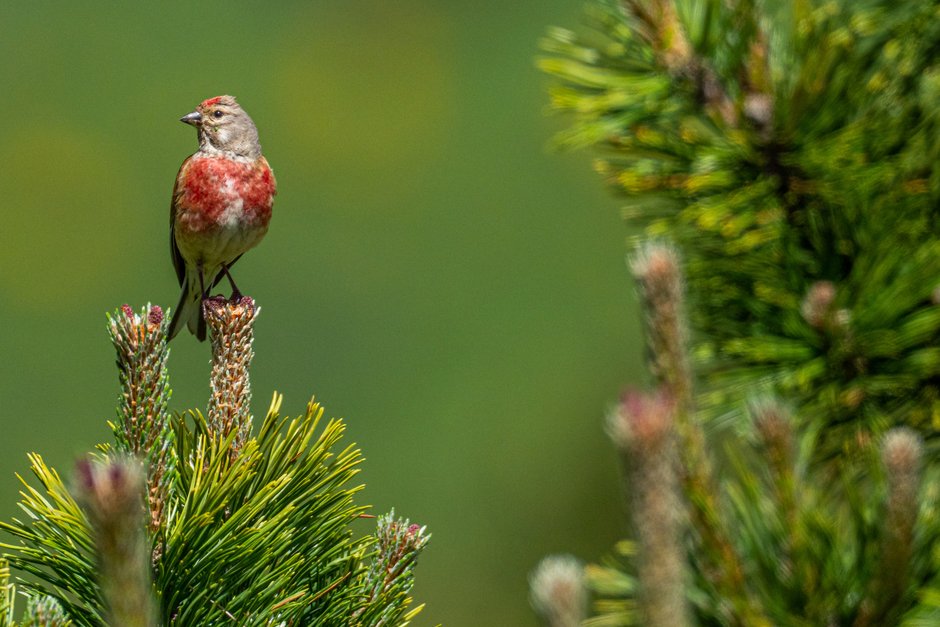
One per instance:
(189,519)
(783,470)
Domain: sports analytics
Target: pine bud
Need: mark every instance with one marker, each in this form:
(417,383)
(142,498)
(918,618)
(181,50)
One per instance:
(817,304)
(558,592)
(642,420)
(45,611)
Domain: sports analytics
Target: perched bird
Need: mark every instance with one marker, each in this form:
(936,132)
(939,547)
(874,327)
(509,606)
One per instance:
(221,205)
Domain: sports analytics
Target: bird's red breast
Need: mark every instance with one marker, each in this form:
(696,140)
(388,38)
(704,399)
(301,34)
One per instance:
(214,190)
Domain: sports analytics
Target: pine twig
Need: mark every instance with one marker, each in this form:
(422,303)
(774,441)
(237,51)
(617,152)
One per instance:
(143,427)
(232,334)
(902,453)
(657,271)
(391,575)
(644,431)
(112,496)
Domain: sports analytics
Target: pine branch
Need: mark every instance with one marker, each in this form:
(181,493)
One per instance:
(787,149)
(657,271)
(243,530)
(266,534)
(787,539)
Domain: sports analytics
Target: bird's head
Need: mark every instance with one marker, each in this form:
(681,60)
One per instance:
(224,127)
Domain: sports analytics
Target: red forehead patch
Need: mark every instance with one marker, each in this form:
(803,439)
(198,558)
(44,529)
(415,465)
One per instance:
(211,101)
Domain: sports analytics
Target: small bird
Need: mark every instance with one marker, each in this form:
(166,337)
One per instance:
(221,206)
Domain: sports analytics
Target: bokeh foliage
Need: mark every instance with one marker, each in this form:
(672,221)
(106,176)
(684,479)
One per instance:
(787,149)
(784,147)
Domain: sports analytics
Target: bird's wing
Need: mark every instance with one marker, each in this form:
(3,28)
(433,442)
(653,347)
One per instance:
(178,262)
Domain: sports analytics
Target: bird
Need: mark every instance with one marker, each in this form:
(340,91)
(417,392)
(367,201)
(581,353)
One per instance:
(221,206)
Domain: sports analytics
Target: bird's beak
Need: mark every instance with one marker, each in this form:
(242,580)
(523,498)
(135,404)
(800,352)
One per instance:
(193,118)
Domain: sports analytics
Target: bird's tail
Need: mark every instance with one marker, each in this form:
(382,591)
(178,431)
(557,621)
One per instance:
(189,309)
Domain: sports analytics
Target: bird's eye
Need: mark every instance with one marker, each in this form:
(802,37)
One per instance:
(217,114)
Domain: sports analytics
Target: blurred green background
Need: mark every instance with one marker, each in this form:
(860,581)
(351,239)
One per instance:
(433,274)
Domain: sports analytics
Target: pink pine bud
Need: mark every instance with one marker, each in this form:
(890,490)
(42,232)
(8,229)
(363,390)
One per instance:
(642,419)
(558,591)
(156,315)
(112,490)
(656,262)
(817,304)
